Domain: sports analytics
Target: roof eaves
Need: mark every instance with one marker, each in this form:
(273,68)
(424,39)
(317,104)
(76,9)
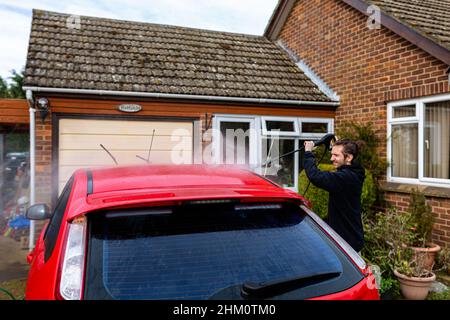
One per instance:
(278,19)
(181,96)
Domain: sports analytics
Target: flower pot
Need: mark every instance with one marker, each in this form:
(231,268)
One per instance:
(428,254)
(414,288)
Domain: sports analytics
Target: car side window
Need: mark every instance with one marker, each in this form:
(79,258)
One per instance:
(52,231)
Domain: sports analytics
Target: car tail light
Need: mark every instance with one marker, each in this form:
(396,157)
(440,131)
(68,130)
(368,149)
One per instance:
(73,265)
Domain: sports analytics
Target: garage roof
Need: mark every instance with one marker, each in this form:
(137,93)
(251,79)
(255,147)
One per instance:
(105,54)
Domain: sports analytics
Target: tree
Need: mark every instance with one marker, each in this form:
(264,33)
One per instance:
(13,90)
(3,88)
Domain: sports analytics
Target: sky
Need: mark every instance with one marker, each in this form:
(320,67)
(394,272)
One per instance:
(241,16)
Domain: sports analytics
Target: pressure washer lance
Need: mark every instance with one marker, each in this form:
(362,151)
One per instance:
(325,140)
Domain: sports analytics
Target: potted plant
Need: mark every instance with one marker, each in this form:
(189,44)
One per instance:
(413,274)
(395,236)
(422,221)
(382,232)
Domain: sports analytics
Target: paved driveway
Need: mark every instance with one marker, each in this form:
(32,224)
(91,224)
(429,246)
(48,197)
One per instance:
(13,260)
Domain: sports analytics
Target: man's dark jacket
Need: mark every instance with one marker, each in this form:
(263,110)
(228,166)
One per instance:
(344,205)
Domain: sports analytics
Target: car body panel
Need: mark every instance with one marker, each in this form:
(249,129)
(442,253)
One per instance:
(141,186)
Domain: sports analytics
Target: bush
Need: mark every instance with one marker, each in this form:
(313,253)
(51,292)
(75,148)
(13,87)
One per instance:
(319,197)
(377,232)
(421,218)
(369,156)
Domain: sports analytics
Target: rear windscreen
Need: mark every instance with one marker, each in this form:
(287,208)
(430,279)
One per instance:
(207,251)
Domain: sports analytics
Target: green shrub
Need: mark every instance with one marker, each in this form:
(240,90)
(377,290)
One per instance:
(369,156)
(422,219)
(319,197)
(439,295)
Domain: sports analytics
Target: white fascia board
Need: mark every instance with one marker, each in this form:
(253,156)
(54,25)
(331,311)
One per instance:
(310,73)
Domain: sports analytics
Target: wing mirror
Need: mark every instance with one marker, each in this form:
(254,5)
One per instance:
(39,211)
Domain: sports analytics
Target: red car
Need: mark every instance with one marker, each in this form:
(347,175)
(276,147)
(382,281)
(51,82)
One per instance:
(188,232)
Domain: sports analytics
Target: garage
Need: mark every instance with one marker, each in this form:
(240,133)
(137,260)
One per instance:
(125,142)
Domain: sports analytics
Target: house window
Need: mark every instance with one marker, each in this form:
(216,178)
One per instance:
(404,150)
(280,126)
(436,152)
(404,111)
(419,141)
(262,142)
(284,170)
(235,140)
(235,146)
(314,128)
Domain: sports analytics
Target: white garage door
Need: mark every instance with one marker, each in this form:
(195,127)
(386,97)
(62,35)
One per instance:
(128,142)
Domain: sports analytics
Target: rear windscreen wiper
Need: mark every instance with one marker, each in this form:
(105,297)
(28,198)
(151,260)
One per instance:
(272,288)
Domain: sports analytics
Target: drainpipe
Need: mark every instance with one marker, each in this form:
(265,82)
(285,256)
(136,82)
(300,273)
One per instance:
(29,95)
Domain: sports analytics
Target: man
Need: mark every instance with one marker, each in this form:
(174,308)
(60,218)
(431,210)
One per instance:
(344,187)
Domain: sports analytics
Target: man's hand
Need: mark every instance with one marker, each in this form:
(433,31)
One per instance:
(309,145)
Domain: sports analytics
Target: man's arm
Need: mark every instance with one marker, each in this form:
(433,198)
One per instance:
(329,181)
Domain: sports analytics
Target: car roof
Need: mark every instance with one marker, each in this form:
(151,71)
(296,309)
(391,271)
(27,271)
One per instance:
(175,176)
(97,189)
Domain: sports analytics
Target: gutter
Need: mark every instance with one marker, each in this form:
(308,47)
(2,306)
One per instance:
(182,96)
(29,96)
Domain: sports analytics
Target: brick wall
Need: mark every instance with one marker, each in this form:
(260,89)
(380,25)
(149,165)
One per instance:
(441,212)
(43,164)
(366,68)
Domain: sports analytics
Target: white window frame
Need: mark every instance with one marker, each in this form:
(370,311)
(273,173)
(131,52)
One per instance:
(296,158)
(294,121)
(420,120)
(310,135)
(257,122)
(254,138)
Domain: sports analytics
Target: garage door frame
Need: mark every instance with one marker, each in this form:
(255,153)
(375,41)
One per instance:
(196,147)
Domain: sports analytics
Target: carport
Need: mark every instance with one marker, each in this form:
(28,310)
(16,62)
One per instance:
(14,162)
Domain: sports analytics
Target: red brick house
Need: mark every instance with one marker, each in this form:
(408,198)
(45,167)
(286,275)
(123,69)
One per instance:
(388,62)
(144,92)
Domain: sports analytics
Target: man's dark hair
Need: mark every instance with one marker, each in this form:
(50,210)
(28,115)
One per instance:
(350,147)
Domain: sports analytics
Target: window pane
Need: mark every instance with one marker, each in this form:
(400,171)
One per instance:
(235,142)
(404,111)
(404,151)
(286,126)
(197,252)
(437,140)
(314,127)
(280,171)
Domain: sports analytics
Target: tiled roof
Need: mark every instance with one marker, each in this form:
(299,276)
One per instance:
(105,54)
(430,18)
